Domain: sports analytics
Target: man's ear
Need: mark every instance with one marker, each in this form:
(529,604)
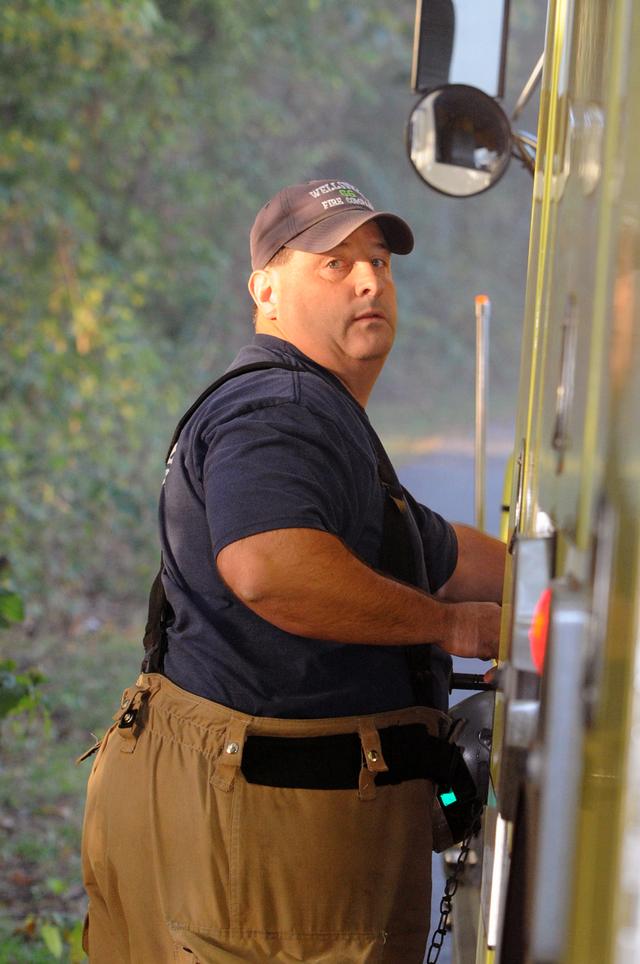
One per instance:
(262,292)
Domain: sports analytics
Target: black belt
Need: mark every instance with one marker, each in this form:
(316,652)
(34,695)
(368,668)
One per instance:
(334,762)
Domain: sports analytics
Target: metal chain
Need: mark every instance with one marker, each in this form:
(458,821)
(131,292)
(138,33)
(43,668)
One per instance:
(450,888)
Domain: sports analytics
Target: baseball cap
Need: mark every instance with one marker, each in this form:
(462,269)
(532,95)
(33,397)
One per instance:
(316,216)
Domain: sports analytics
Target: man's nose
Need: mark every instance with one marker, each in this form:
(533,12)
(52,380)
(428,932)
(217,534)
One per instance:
(368,281)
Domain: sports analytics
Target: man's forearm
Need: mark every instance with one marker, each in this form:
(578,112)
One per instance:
(479,572)
(308,583)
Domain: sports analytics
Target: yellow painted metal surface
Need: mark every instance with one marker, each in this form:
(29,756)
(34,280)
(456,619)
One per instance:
(611,473)
(578,428)
(522,503)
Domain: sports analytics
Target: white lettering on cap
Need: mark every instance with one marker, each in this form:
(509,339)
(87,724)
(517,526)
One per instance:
(362,201)
(329,186)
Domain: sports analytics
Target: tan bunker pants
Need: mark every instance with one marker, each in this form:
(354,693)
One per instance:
(184,860)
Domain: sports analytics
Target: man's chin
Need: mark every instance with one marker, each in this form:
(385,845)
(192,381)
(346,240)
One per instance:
(371,349)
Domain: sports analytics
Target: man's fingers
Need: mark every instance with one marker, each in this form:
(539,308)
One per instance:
(475,630)
(490,617)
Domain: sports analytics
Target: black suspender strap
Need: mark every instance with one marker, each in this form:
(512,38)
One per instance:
(234,373)
(402,556)
(160,613)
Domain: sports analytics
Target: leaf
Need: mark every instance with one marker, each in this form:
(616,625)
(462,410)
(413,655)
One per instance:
(74,940)
(28,926)
(11,607)
(55,885)
(18,690)
(11,693)
(52,937)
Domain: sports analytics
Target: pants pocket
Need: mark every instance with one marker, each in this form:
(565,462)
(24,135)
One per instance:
(313,862)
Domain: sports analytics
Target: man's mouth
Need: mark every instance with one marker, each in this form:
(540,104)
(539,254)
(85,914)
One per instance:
(369,314)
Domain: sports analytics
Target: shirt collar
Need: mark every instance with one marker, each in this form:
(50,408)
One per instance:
(281,345)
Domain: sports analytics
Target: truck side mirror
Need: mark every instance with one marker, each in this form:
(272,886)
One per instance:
(459,140)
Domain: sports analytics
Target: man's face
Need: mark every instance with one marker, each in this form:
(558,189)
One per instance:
(339,307)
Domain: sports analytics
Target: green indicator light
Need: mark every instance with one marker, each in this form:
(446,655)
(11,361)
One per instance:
(446,799)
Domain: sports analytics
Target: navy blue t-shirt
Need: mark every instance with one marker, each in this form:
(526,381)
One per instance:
(274,450)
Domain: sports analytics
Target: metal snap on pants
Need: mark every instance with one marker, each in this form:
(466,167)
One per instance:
(183,860)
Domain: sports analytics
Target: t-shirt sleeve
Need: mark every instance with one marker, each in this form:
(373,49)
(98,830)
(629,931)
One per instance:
(279,467)
(439,543)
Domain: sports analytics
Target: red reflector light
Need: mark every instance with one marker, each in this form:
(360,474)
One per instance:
(539,630)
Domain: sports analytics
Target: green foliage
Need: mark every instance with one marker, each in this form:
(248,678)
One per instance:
(79,377)
(52,937)
(42,942)
(11,608)
(138,140)
(11,604)
(62,937)
(42,791)
(19,691)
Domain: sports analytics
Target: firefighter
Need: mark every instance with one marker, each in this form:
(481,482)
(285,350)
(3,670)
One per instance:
(265,791)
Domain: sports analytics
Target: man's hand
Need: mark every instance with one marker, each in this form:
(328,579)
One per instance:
(475,630)
(307,582)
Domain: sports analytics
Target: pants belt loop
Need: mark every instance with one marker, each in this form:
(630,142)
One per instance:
(130,717)
(372,759)
(230,760)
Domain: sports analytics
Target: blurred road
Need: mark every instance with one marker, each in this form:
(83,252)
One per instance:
(444,481)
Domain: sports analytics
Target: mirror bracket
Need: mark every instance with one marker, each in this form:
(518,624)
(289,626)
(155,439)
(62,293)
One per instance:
(529,88)
(525,146)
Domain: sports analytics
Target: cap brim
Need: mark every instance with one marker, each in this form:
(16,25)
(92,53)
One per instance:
(326,234)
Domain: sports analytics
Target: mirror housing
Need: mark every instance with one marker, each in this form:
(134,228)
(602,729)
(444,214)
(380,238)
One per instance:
(459,140)
(460,42)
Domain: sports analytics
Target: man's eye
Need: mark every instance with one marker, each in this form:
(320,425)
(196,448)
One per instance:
(334,263)
(378,262)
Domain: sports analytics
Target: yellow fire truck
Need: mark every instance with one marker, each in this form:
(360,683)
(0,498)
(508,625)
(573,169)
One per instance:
(560,861)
